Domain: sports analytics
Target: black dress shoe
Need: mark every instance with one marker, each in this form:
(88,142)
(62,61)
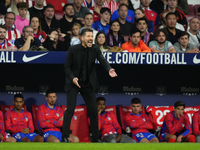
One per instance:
(96,141)
(65,140)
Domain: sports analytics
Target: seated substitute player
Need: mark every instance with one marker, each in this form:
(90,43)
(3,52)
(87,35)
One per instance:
(196,125)
(50,119)
(139,123)
(4,137)
(109,126)
(176,126)
(20,122)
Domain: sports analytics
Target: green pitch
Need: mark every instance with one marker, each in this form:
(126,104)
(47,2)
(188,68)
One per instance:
(99,146)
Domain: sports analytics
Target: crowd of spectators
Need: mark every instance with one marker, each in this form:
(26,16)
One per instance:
(130,25)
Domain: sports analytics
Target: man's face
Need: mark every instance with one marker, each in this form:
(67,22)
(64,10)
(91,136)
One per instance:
(184,40)
(179,111)
(51,99)
(28,32)
(18,103)
(39,2)
(161,38)
(78,3)
(123,12)
(49,13)
(105,16)
(100,2)
(136,108)
(87,39)
(172,3)
(88,20)
(145,3)
(2,34)
(194,24)
(69,11)
(142,26)
(22,12)
(9,20)
(135,38)
(101,105)
(123,2)
(171,21)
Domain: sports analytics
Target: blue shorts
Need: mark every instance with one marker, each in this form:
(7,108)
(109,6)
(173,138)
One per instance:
(18,136)
(139,136)
(162,137)
(54,133)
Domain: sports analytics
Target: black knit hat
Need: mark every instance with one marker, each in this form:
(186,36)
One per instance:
(3,9)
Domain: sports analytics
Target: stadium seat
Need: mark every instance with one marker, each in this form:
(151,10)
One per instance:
(58,16)
(5,108)
(157,115)
(34,112)
(123,110)
(190,110)
(79,123)
(188,17)
(112,109)
(196,8)
(191,9)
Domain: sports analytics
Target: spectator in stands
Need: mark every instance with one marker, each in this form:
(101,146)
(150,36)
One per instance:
(125,26)
(75,34)
(20,20)
(52,42)
(5,44)
(161,45)
(27,40)
(183,6)
(176,126)
(150,14)
(196,125)
(100,40)
(20,122)
(37,10)
(6,3)
(180,16)
(134,4)
(12,34)
(88,19)
(135,44)
(194,32)
(131,15)
(158,5)
(51,124)
(163,21)
(79,10)
(183,46)
(170,27)
(3,12)
(88,3)
(13,8)
(111,4)
(108,125)
(146,37)
(38,33)
(139,13)
(198,13)
(102,24)
(114,37)
(139,123)
(49,21)
(68,19)
(95,10)
(4,137)
(58,5)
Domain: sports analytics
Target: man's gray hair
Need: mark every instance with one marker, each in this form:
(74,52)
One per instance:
(27,27)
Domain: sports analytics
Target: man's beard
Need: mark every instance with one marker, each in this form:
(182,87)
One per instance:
(160,42)
(2,37)
(69,16)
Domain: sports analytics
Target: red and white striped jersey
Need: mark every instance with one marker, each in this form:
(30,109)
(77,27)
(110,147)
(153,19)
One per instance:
(32,3)
(6,43)
(112,5)
(12,35)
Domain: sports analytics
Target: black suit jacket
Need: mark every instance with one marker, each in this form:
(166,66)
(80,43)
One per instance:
(73,64)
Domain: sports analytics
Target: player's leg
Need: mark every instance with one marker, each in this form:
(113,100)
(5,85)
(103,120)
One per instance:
(198,138)
(151,137)
(71,104)
(90,100)
(73,138)
(111,138)
(52,138)
(21,137)
(25,139)
(127,139)
(11,139)
(170,138)
(140,138)
(189,138)
(33,137)
(154,140)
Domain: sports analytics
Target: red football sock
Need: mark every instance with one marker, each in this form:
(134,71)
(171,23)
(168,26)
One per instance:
(172,140)
(191,138)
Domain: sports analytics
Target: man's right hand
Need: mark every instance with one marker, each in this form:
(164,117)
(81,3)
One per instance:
(25,130)
(30,38)
(99,111)
(75,81)
(1,137)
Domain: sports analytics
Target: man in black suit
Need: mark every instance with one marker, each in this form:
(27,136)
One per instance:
(81,77)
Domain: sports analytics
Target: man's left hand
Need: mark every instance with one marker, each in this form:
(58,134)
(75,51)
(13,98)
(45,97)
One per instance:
(112,73)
